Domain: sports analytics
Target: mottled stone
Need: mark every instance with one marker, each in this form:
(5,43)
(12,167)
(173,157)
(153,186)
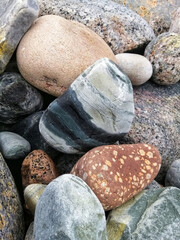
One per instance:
(116,173)
(175,21)
(72,47)
(153,185)
(164,54)
(32,193)
(29,233)
(121,28)
(156,12)
(13,146)
(16,18)
(17,98)
(69,210)
(97,109)
(38,167)
(137,67)
(11,212)
(152,214)
(157,121)
(173,175)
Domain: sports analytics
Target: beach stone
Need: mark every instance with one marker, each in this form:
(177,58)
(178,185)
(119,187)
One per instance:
(29,233)
(16,18)
(173,174)
(11,212)
(157,121)
(175,22)
(69,210)
(152,214)
(156,12)
(97,109)
(72,47)
(164,54)
(137,67)
(38,167)
(153,185)
(121,28)
(13,146)
(116,173)
(17,98)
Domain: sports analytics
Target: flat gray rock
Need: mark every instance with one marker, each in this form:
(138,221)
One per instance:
(69,210)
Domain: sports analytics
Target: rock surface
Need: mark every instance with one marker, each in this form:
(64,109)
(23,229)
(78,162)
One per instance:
(153,185)
(152,214)
(68,209)
(173,175)
(17,98)
(16,18)
(122,29)
(116,173)
(175,22)
(164,54)
(29,233)
(11,212)
(13,146)
(72,47)
(137,67)
(96,110)
(38,167)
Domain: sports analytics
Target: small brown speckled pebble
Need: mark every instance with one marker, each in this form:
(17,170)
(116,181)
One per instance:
(116,173)
(38,167)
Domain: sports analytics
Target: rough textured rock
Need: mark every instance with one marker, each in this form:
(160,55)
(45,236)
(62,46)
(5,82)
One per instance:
(96,110)
(122,29)
(164,54)
(137,67)
(152,214)
(68,209)
(17,98)
(156,12)
(16,18)
(11,212)
(72,47)
(38,167)
(116,173)
(29,233)
(157,121)
(13,146)
(175,22)
(173,175)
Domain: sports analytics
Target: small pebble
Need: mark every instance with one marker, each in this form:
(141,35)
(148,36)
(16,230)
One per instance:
(173,174)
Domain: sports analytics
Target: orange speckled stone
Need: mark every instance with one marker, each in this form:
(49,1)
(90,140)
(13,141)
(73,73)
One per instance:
(118,172)
(38,167)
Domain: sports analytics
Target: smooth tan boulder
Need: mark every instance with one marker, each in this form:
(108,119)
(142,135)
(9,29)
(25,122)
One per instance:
(55,51)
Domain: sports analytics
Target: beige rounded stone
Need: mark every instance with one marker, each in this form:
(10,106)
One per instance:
(55,51)
(137,67)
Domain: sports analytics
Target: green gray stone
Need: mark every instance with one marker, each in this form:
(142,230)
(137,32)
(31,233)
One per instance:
(152,214)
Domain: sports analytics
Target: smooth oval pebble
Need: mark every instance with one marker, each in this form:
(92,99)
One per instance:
(55,51)
(116,173)
(137,67)
(173,174)
(69,210)
(13,146)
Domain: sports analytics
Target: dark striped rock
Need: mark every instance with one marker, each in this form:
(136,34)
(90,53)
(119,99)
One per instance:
(11,212)
(121,28)
(97,109)
(116,173)
(164,54)
(16,18)
(13,146)
(17,98)
(69,210)
(152,214)
(173,175)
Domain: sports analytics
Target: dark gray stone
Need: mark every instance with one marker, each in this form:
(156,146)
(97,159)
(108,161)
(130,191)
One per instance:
(173,175)
(153,185)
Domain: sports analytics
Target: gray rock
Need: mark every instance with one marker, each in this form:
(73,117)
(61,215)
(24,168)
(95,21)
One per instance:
(69,210)
(164,54)
(17,98)
(11,211)
(13,146)
(121,28)
(97,109)
(173,175)
(29,233)
(16,18)
(153,185)
(175,21)
(152,214)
